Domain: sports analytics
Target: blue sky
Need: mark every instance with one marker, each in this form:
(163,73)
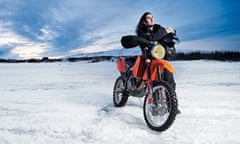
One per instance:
(36,28)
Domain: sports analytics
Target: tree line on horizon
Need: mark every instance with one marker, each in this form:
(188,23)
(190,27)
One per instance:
(216,55)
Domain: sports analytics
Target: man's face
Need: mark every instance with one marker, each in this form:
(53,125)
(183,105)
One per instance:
(149,20)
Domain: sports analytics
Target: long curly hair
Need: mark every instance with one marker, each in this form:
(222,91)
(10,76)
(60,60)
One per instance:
(140,24)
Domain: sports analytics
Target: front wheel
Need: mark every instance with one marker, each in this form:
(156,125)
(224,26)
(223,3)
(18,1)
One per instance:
(160,112)
(119,95)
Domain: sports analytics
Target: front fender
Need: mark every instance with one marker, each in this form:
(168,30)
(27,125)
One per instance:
(139,69)
(165,64)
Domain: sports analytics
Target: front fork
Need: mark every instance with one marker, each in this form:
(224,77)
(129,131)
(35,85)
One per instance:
(149,90)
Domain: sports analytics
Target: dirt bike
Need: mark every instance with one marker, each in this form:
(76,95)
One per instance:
(144,77)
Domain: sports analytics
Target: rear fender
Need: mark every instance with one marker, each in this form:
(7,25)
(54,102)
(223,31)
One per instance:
(121,65)
(139,67)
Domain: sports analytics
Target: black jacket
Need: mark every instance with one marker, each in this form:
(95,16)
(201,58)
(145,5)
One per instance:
(155,35)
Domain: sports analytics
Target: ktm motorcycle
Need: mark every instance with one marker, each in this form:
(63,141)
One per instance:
(144,76)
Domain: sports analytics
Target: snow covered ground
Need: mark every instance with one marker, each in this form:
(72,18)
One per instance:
(71,103)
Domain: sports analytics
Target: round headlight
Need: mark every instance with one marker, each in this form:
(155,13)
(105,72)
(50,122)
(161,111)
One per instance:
(158,51)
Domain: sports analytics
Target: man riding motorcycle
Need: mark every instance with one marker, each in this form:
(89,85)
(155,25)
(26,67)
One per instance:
(147,29)
(153,32)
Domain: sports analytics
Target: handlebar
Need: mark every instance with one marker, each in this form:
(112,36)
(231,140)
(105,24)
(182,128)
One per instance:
(131,41)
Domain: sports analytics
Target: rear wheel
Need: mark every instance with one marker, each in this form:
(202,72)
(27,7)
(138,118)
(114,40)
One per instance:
(119,95)
(160,112)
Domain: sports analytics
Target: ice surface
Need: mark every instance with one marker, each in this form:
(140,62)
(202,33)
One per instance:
(72,103)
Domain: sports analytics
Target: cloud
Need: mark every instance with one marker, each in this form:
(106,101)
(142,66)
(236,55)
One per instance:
(214,26)
(209,44)
(101,41)
(47,34)
(68,27)
(52,28)
(29,50)
(92,25)
(18,45)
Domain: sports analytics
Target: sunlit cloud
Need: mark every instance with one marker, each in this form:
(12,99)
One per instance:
(18,45)
(29,50)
